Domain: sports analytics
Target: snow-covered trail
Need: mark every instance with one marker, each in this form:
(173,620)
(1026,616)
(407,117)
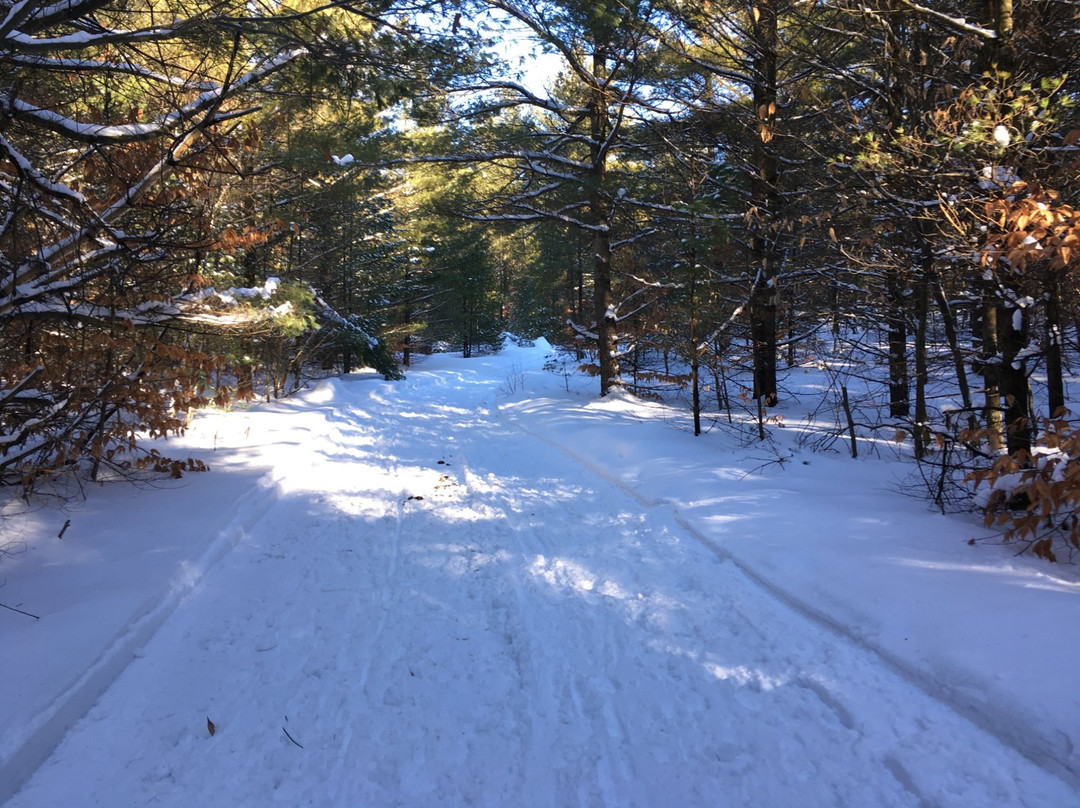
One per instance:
(441,609)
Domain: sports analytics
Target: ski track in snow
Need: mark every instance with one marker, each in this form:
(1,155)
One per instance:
(420,619)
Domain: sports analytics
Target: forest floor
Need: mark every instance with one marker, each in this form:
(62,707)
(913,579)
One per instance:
(484,586)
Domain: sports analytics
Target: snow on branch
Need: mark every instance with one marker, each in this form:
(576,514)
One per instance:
(17,13)
(632,239)
(647,284)
(525,98)
(959,23)
(65,63)
(11,393)
(699,215)
(618,318)
(36,177)
(549,156)
(52,283)
(209,307)
(39,15)
(332,315)
(84,40)
(127,133)
(27,428)
(84,242)
(581,331)
(724,326)
(530,214)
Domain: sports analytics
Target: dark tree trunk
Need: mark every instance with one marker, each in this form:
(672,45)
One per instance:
(922,316)
(1013,423)
(604,310)
(896,323)
(763,320)
(949,322)
(607,348)
(695,354)
(990,363)
(1013,379)
(1055,383)
(998,54)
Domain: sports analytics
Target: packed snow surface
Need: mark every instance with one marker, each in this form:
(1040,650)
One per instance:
(476,587)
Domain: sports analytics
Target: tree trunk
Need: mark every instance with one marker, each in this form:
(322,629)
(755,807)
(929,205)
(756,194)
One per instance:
(991,372)
(1011,427)
(1055,383)
(607,349)
(949,322)
(763,320)
(896,322)
(898,50)
(695,354)
(922,315)
(1012,340)
(999,55)
(835,308)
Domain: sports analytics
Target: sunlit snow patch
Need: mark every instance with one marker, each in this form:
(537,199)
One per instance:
(564,574)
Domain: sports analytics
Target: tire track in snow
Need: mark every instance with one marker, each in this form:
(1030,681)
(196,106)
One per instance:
(590,696)
(384,594)
(656,673)
(481,463)
(593,650)
(471,540)
(1030,746)
(508,620)
(485,496)
(50,725)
